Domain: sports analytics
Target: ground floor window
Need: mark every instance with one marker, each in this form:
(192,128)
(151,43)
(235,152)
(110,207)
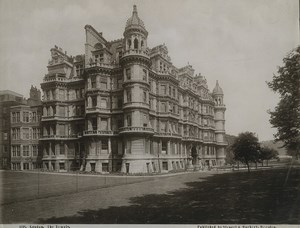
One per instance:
(207,162)
(16,166)
(47,166)
(104,167)
(153,167)
(25,166)
(127,167)
(61,166)
(173,165)
(214,162)
(53,165)
(177,165)
(165,165)
(93,167)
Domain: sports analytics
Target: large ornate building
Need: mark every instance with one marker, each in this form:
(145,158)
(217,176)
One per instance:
(124,107)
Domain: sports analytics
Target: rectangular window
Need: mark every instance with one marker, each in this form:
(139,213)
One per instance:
(128,93)
(104,144)
(128,73)
(101,59)
(13,151)
(129,120)
(104,167)
(61,111)
(164,147)
(94,123)
(120,102)
(93,82)
(163,126)
(25,133)
(103,103)
(37,133)
(13,118)
(165,165)
(34,131)
(145,97)
(17,117)
(25,151)
(144,75)
(25,166)
(163,107)
(145,120)
(18,150)
(61,95)
(104,125)
(62,149)
(61,166)
(94,101)
(103,84)
(34,150)
(163,89)
(34,117)
(119,84)
(120,123)
(26,117)
(61,129)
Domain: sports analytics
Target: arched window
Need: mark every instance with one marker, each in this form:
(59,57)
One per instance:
(129,43)
(142,43)
(136,43)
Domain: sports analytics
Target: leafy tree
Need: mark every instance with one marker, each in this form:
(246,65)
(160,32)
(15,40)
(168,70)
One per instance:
(246,148)
(267,153)
(286,116)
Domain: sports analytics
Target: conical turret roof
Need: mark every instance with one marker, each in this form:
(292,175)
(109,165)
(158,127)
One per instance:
(217,90)
(134,21)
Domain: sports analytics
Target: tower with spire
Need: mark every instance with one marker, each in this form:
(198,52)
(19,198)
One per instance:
(220,109)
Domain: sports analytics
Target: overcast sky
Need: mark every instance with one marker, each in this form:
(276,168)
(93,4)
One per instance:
(238,42)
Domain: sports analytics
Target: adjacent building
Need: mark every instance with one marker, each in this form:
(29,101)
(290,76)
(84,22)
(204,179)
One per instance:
(7,99)
(124,107)
(18,115)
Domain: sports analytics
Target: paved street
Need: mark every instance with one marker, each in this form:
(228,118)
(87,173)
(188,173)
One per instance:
(265,196)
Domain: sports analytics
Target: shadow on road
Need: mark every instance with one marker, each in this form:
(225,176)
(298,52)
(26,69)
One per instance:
(259,197)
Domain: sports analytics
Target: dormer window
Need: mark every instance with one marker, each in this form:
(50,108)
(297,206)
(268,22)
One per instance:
(101,58)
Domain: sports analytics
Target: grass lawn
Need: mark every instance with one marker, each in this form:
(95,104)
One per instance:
(264,197)
(24,186)
(260,197)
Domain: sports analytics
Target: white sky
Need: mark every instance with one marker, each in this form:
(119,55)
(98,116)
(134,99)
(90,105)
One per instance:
(238,42)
